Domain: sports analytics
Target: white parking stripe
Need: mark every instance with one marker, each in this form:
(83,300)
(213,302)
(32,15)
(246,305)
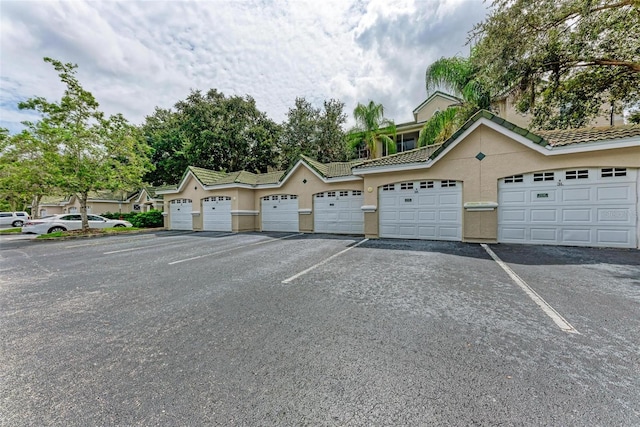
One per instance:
(546,308)
(233,249)
(295,276)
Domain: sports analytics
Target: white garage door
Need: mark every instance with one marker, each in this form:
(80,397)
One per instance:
(578,207)
(338,212)
(280,213)
(216,213)
(421,210)
(180,211)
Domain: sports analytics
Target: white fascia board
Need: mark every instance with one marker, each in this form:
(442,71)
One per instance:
(295,168)
(106,201)
(227,186)
(167,192)
(186,178)
(595,146)
(393,168)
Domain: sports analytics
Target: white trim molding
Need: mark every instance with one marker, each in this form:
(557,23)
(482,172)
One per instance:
(244,213)
(480,206)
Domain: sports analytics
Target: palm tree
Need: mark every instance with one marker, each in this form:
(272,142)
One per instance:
(371,128)
(457,76)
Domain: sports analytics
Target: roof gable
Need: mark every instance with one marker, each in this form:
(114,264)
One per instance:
(432,97)
(544,142)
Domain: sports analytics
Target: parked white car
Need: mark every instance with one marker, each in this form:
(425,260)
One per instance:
(14,219)
(65,222)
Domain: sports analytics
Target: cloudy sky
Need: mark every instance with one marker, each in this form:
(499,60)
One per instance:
(136,55)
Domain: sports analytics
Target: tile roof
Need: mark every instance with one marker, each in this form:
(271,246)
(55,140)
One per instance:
(416,155)
(47,200)
(563,137)
(331,170)
(206,176)
(552,138)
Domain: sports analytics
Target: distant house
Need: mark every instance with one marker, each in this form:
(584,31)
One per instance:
(99,202)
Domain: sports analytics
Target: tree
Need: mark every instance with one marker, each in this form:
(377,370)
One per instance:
(562,59)
(162,131)
(371,129)
(226,134)
(313,132)
(91,152)
(458,77)
(27,170)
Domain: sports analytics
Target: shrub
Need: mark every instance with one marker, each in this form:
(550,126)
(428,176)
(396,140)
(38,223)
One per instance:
(140,220)
(148,219)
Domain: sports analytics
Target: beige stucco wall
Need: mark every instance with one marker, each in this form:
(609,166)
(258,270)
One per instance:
(504,157)
(438,103)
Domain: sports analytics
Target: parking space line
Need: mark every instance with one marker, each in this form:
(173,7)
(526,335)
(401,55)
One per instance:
(302,273)
(546,308)
(233,249)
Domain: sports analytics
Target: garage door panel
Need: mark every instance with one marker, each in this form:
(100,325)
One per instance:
(546,235)
(407,216)
(613,193)
(577,236)
(427,216)
(448,199)
(339,212)
(592,209)
(615,237)
(448,216)
(514,215)
(280,213)
(180,214)
(544,215)
(427,201)
(216,213)
(576,195)
(518,196)
(449,233)
(427,232)
(615,215)
(422,211)
(576,215)
(513,234)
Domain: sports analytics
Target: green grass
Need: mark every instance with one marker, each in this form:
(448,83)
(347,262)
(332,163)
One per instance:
(10,230)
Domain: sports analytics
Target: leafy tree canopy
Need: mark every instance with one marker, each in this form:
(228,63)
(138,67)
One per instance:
(81,150)
(314,132)
(372,129)
(212,131)
(563,59)
(457,76)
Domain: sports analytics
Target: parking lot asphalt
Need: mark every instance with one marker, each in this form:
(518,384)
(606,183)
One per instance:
(181,328)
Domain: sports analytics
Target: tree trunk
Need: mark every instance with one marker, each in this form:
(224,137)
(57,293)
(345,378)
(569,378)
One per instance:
(83,211)
(35,206)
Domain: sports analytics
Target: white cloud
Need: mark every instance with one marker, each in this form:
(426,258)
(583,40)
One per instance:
(134,56)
